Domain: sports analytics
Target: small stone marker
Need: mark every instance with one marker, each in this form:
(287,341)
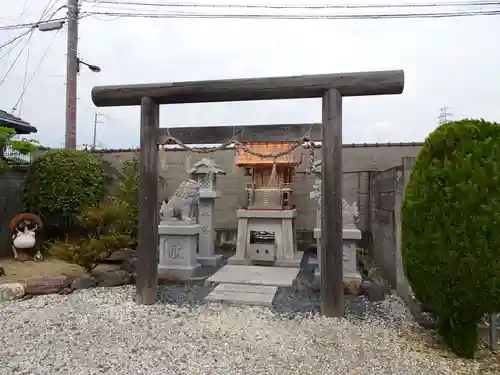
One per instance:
(240,294)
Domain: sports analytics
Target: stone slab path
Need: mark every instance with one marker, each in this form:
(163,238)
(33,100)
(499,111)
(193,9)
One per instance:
(254,275)
(240,294)
(249,285)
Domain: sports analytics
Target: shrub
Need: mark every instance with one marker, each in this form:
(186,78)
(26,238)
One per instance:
(127,196)
(112,224)
(110,218)
(450,221)
(88,252)
(60,183)
(128,193)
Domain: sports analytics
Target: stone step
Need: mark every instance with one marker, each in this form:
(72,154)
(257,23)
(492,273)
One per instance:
(243,294)
(254,275)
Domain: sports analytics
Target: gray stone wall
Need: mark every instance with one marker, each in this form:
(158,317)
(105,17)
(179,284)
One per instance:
(11,195)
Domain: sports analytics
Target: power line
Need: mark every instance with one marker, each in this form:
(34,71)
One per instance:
(186,15)
(49,3)
(24,79)
(16,38)
(296,6)
(11,49)
(96,4)
(16,58)
(35,70)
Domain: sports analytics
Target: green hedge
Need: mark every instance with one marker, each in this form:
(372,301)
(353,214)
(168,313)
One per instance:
(62,182)
(451,228)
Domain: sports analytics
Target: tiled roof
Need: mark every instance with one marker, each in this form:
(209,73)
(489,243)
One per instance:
(20,126)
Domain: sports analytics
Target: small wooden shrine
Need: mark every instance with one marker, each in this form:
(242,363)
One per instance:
(271,186)
(266,223)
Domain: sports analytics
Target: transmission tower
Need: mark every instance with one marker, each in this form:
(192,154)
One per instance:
(444,115)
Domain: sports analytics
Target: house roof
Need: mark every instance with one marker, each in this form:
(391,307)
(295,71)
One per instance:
(20,126)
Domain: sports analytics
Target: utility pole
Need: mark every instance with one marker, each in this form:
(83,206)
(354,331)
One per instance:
(71,74)
(96,116)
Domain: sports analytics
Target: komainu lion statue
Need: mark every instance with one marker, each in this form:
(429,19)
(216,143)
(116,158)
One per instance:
(184,203)
(350,214)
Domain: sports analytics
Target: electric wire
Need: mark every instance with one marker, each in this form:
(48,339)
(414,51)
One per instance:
(16,58)
(11,49)
(296,6)
(111,3)
(46,9)
(35,70)
(114,8)
(26,66)
(187,15)
(15,39)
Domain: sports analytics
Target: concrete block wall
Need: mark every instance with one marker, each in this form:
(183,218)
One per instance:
(374,191)
(387,192)
(359,161)
(11,203)
(383,230)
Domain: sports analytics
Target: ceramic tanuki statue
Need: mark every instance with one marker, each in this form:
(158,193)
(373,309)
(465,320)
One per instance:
(24,231)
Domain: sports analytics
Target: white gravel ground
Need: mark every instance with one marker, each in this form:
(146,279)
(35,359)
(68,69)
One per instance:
(102,331)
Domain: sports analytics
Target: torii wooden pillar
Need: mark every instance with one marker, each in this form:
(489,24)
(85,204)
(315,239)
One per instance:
(330,87)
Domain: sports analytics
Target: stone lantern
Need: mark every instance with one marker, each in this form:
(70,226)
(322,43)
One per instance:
(205,173)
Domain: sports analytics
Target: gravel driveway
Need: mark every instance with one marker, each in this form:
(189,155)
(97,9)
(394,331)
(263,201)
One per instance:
(102,331)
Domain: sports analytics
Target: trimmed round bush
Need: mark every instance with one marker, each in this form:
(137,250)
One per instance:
(60,183)
(451,228)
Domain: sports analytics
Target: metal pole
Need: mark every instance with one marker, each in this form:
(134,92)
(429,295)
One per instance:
(71,74)
(95,131)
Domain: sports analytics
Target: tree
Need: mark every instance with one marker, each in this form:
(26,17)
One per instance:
(450,221)
(22,146)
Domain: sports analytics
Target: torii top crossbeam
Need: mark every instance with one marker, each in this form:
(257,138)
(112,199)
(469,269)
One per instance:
(269,88)
(330,87)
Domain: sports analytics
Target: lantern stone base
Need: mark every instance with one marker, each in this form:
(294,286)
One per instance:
(351,276)
(177,248)
(211,261)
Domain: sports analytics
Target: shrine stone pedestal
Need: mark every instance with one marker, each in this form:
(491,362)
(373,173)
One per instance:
(277,248)
(177,247)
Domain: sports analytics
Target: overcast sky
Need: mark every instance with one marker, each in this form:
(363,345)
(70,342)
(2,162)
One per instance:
(447,62)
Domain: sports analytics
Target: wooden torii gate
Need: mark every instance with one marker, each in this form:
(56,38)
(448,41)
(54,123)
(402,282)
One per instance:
(330,87)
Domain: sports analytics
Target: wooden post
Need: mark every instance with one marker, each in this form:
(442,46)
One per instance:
(147,248)
(332,288)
